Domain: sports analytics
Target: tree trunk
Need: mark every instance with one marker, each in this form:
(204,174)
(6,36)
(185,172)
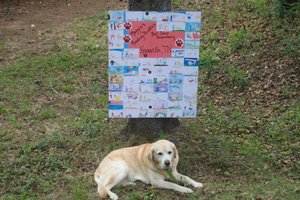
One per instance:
(150,127)
(150,5)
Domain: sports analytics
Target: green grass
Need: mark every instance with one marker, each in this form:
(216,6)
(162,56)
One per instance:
(34,105)
(48,113)
(287,9)
(208,54)
(237,77)
(49,30)
(260,6)
(2,46)
(292,45)
(216,18)
(275,188)
(78,189)
(241,40)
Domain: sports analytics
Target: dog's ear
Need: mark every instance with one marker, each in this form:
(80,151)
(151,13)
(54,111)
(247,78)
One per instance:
(151,154)
(175,152)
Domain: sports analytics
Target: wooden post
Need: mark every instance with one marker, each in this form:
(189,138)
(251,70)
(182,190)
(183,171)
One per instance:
(150,127)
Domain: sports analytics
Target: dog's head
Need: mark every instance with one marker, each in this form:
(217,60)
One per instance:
(163,154)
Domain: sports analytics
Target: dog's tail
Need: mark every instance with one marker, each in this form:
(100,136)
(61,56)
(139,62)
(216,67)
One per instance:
(101,189)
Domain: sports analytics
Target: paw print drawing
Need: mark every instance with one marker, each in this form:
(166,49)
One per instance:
(179,42)
(127,25)
(127,39)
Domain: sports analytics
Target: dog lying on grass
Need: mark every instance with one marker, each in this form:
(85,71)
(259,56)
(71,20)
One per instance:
(149,163)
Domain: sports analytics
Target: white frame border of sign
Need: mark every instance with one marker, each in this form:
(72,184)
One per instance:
(153,64)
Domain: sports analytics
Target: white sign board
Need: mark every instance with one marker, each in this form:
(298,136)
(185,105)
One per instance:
(153,64)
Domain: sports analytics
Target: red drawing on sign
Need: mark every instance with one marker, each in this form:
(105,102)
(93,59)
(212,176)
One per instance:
(127,39)
(118,26)
(196,35)
(179,42)
(127,25)
(153,43)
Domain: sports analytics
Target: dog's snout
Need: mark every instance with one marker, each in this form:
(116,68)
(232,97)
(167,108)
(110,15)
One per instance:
(167,163)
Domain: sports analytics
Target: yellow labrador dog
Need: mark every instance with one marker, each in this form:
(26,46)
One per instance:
(148,163)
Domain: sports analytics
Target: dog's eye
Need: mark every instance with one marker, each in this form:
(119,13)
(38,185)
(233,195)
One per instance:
(160,153)
(170,152)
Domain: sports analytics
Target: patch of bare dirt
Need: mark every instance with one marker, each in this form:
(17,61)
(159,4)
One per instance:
(23,22)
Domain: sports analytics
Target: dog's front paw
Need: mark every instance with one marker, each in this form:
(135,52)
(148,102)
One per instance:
(186,190)
(197,185)
(113,196)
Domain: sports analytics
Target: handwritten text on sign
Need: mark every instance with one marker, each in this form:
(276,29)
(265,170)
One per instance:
(153,43)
